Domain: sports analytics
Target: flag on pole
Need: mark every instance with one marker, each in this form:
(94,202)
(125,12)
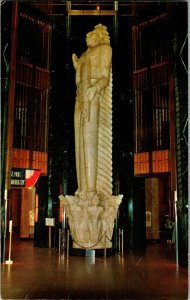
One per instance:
(31,177)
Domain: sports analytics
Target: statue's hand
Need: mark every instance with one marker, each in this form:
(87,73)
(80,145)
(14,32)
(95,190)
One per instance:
(91,92)
(75,60)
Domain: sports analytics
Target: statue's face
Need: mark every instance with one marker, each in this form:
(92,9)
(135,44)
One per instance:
(92,39)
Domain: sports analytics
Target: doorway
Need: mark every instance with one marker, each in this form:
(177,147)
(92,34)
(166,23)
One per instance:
(22,211)
(158,204)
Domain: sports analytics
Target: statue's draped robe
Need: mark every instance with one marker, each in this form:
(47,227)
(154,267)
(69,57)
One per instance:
(93,121)
(104,168)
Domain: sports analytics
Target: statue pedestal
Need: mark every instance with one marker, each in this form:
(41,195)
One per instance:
(91,221)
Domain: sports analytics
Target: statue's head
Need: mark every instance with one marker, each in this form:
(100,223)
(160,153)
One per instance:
(98,36)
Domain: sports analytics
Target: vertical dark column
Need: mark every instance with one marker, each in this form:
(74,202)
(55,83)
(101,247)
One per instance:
(136,230)
(115,128)
(40,230)
(5,69)
(179,131)
(67,98)
(10,117)
(181,121)
(139,229)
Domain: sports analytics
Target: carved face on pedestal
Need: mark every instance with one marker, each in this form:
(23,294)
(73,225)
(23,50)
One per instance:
(95,201)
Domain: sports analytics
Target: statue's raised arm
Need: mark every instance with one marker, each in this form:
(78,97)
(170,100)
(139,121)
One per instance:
(75,60)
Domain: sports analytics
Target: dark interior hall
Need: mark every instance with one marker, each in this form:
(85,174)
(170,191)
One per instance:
(149,41)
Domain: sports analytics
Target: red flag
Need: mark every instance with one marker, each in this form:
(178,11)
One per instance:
(31,177)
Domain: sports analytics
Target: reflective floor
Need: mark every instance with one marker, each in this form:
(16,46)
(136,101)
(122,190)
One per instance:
(40,273)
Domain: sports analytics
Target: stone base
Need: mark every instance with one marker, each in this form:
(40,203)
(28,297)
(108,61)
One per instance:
(90,220)
(98,252)
(93,246)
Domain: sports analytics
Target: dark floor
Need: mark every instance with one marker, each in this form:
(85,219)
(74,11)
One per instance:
(40,273)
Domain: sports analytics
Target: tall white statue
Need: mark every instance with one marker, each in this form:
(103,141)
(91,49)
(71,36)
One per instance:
(93,209)
(92,78)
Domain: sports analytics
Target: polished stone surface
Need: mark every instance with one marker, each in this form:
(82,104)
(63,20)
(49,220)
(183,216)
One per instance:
(40,273)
